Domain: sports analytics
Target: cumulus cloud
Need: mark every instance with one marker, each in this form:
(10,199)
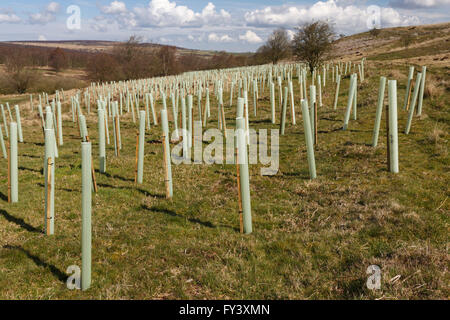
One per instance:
(9,18)
(115,7)
(415,4)
(47,15)
(213,37)
(346,18)
(42,38)
(250,37)
(164,13)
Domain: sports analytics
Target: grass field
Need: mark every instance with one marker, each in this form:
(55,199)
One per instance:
(311,239)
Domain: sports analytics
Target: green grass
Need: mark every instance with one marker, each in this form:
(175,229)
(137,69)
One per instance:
(311,239)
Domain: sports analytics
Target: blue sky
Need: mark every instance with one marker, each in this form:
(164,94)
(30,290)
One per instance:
(216,24)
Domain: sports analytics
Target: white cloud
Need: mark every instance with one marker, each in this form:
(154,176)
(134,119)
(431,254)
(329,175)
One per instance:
(414,4)
(349,18)
(53,7)
(164,13)
(250,37)
(42,38)
(99,26)
(45,16)
(115,7)
(213,37)
(290,34)
(9,18)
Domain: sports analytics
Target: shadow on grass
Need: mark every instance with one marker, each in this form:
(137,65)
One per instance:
(31,156)
(261,121)
(40,184)
(144,192)
(20,222)
(3,196)
(106,174)
(58,273)
(30,169)
(174,214)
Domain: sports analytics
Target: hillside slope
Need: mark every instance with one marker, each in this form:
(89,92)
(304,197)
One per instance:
(428,44)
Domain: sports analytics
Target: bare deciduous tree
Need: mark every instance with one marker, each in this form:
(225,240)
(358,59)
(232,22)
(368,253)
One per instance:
(312,42)
(277,47)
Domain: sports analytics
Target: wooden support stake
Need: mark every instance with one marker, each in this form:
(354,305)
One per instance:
(49,195)
(94,180)
(409,96)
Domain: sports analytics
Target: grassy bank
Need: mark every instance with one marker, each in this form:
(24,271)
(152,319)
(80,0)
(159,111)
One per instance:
(311,239)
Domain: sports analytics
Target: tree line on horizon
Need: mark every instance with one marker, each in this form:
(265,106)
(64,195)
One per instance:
(134,60)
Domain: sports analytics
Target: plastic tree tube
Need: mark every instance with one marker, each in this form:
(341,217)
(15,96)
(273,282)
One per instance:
(14,172)
(413,104)
(4,121)
(140,176)
(351,92)
(2,144)
(291,92)
(59,122)
(86,203)
(393,134)
(283,114)
(308,140)
(376,129)
(408,86)
(49,189)
(19,123)
(338,83)
(312,101)
(272,101)
(422,88)
(166,146)
(244,175)
(101,140)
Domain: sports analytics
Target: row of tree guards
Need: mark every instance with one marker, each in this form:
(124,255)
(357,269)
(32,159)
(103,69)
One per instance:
(138,98)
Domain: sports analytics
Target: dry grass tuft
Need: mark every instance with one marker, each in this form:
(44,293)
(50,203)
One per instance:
(432,88)
(436,135)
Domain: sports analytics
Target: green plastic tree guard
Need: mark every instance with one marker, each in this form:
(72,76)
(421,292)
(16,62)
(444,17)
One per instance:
(393,133)
(410,78)
(4,121)
(14,171)
(351,93)
(86,203)
(422,89)
(244,175)
(165,129)
(272,101)
(49,153)
(19,123)
(2,144)
(413,103)
(60,132)
(101,140)
(283,115)
(376,129)
(338,84)
(308,139)
(140,173)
